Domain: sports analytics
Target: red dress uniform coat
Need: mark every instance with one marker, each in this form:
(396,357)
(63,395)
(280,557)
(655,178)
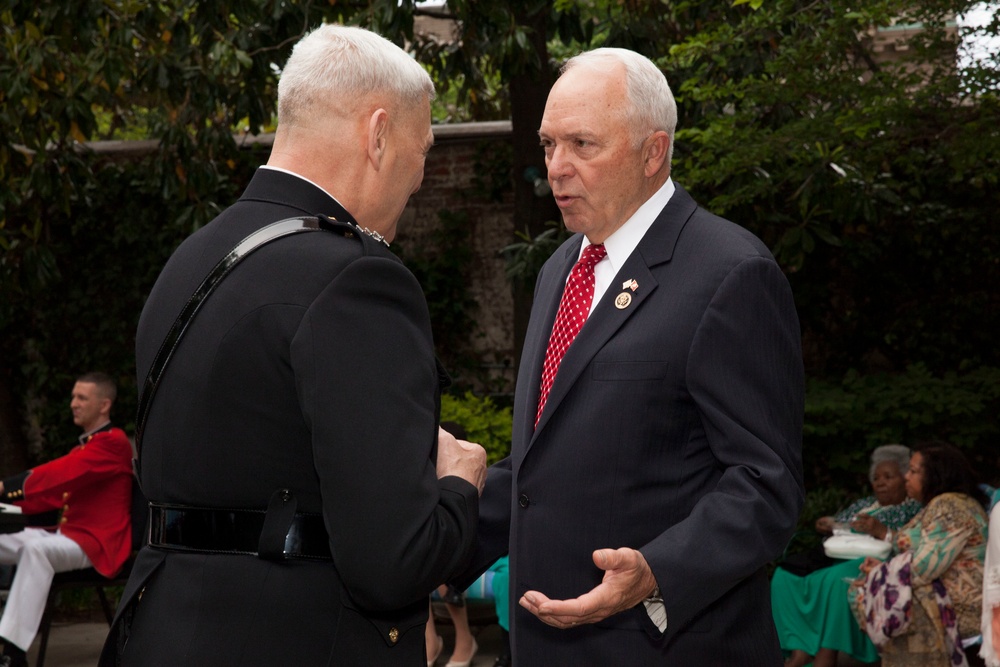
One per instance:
(92,486)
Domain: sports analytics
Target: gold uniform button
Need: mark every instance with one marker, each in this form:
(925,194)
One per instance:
(65,507)
(62,520)
(394,635)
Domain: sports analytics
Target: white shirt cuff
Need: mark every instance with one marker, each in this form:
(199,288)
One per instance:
(657,614)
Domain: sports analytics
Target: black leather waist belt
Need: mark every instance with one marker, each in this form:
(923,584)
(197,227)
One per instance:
(226,531)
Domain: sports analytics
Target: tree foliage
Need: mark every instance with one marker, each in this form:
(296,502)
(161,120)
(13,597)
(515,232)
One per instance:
(873,180)
(849,417)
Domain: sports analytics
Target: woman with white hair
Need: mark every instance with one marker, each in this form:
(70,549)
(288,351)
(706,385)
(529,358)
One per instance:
(811,612)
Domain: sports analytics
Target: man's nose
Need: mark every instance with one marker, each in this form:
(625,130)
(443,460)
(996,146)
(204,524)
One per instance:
(559,165)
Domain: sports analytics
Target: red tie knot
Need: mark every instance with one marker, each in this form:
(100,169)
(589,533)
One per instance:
(592,254)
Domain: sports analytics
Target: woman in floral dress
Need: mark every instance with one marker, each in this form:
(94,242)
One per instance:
(940,555)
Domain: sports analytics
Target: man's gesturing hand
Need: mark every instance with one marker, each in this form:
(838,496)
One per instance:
(627,581)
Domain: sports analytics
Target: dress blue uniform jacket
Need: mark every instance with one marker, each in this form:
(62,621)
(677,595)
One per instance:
(310,368)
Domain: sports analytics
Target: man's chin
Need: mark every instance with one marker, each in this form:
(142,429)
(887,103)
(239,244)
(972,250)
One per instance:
(573,223)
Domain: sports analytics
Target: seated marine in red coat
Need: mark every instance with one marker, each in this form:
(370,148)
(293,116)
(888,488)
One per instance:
(91,487)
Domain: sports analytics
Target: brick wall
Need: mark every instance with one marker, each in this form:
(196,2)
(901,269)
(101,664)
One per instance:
(450,183)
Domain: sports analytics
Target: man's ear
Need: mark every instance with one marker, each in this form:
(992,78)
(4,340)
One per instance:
(655,150)
(378,130)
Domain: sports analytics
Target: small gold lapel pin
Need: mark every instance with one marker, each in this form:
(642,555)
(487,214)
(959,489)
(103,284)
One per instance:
(623,300)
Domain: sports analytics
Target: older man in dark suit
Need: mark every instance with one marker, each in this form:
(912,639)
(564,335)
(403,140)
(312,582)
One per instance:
(304,503)
(656,458)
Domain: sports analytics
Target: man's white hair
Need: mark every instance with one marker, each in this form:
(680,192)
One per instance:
(335,66)
(651,103)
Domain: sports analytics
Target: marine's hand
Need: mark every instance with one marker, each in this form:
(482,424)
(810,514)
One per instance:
(461,458)
(627,581)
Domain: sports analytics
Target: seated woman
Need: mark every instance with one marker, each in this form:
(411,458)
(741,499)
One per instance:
(465,643)
(811,612)
(939,563)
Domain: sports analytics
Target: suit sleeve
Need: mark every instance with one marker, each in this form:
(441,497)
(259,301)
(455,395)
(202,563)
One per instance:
(745,375)
(368,383)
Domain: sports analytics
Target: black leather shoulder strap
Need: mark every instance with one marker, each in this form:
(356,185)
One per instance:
(239,252)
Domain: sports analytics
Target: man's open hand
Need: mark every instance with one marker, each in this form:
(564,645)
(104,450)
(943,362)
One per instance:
(627,581)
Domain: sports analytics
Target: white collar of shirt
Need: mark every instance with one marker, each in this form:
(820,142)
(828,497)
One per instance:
(624,240)
(292,173)
(86,436)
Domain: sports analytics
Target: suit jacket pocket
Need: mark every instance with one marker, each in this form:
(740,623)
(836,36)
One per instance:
(617,371)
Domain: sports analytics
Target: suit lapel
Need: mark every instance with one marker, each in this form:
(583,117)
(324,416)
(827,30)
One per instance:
(656,247)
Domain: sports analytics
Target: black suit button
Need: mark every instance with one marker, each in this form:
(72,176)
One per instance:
(523,500)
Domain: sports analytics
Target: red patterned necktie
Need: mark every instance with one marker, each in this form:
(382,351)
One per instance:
(573,311)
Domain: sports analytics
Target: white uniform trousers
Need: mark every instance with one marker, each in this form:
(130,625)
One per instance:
(38,554)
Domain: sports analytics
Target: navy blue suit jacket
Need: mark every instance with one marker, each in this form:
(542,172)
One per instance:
(673,427)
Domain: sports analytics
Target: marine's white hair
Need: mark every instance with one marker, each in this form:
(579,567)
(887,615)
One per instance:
(334,66)
(651,103)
